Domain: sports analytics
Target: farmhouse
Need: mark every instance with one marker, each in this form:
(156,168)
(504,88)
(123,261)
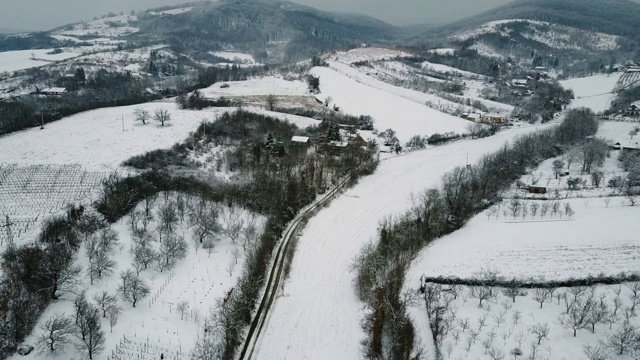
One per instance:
(496,119)
(633,109)
(54,91)
(520,83)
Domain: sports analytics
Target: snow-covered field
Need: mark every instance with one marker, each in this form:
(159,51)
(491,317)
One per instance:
(96,140)
(401,109)
(234,56)
(448,70)
(318,315)
(269,85)
(594,92)
(155,325)
(366,54)
(598,238)
(504,325)
(24,59)
(113,26)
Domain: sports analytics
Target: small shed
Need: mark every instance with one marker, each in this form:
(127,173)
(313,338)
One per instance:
(300,140)
(537,189)
(475,117)
(54,91)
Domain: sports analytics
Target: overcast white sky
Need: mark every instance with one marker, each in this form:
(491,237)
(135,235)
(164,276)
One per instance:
(47,14)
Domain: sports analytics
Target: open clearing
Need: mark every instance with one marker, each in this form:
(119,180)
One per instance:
(593,92)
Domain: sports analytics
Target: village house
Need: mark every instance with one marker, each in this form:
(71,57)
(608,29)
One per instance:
(633,109)
(495,119)
(631,147)
(300,140)
(54,91)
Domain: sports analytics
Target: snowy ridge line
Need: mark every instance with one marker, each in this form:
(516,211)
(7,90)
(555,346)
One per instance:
(276,275)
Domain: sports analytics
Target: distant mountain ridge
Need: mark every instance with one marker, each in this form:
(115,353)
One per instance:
(617,17)
(272,31)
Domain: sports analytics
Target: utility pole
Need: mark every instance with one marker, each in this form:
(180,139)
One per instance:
(42,121)
(7,225)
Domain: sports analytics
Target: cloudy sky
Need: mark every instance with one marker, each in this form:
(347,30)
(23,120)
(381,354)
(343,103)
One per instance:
(47,14)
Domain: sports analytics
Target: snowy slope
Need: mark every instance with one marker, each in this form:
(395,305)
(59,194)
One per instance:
(263,86)
(318,315)
(24,59)
(400,109)
(96,140)
(593,92)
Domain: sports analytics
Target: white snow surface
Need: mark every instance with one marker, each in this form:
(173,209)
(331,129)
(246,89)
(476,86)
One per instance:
(113,26)
(401,109)
(366,54)
(443,51)
(95,139)
(318,315)
(594,92)
(24,59)
(448,70)
(234,56)
(547,248)
(263,86)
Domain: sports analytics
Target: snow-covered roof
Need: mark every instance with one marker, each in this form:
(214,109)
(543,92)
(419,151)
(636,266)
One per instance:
(54,90)
(493,115)
(474,116)
(338,143)
(635,103)
(300,139)
(520,81)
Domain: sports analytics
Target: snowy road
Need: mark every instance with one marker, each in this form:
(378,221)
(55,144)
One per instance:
(318,315)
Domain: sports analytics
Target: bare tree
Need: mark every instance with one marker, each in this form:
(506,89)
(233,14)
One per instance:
(107,239)
(173,248)
(514,207)
(105,301)
(233,222)
(621,340)
(481,293)
(89,330)
(204,221)
(557,167)
(595,352)
(534,208)
(271,102)
(577,291)
(634,286)
(56,333)
(143,252)
(578,315)
(113,314)
(568,210)
(599,313)
(607,201)
(544,209)
(132,288)
(182,308)
(101,265)
(168,217)
(141,115)
(541,296)
(540,331)
(162,116)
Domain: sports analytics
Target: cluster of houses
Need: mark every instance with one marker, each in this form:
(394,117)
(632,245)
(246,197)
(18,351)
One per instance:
(348,137)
